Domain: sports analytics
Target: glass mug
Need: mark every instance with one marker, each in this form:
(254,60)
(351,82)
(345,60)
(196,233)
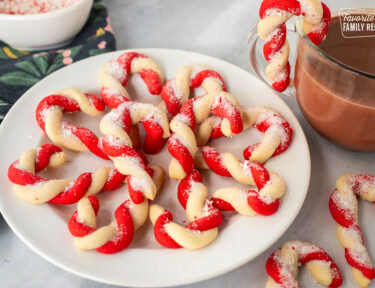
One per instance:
(337,100)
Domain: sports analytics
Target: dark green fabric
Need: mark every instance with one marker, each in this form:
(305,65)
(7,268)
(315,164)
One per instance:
(19,70)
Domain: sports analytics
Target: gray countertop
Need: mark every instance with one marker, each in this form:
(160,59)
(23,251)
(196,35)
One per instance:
(218,28)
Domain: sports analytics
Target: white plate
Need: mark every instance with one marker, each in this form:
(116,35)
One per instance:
(145,262)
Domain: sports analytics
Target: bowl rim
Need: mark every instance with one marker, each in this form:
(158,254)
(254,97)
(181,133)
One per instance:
(42,16)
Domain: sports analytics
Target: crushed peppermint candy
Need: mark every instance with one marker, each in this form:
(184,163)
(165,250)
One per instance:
(280,13)
(242,195)
(223,101)
(116,116)
(265,198)
(155,118)
(274,122)
(196,69)
(275,33)
(46,111)
(360,256)
(116,70)
(115,141)
(132,161)
(23,7)
(208,207)
(305,249)
(69,186)
(37,185)
(67,130)
(172,85)
(138,183)
(119,233)
(345,202)
(111,172)
(282,75)
(246,168)
(287,277)
(183,118)
(176,138)
(111,92)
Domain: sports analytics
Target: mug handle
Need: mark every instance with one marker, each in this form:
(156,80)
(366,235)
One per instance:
(257,62)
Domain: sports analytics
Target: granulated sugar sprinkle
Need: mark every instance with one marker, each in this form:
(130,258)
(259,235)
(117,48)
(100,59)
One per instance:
(33,7)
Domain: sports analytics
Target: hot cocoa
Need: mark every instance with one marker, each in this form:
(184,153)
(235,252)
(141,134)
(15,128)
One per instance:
(336,89)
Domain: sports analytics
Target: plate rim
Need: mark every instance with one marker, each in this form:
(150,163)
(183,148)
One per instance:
(191,280)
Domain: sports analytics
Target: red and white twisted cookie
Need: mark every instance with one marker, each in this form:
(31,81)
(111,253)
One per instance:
(114,76)
(282,265)
(270,185)
(272,29)
(204,218)
(49,115)
(176,91)
(118,235)
(37,190)
(277,132)
(119,122)
(182,145)
(118,146)
(343,205)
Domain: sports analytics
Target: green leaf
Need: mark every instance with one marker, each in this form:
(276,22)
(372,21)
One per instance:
(18,78)
(58,59)
(95,19)
(56,64)
(3,55)
(42,63)
(75,50)
(3,103)
(28,66)
(94,52)
(54,67)
(98,5)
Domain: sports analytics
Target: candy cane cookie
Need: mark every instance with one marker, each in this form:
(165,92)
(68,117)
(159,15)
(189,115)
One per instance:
(343,206)
(119,234)
(277,132)
(37,190)
(114,76)
(49,115)
(176,91)
(282,265)
(118,146)
(204,218)
(120,120)
(270,185)
(272,29)
(182,145)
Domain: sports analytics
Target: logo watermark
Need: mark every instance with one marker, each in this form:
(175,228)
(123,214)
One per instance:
(357,23)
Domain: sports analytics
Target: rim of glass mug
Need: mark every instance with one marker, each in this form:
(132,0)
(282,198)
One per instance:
(294,25)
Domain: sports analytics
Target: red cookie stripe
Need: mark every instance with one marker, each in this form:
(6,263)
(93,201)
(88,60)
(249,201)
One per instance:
(74,192)
(161,235)
(203,75)
(150,77)
(124,232)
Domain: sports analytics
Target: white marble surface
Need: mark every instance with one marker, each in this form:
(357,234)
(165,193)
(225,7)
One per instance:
(218,28)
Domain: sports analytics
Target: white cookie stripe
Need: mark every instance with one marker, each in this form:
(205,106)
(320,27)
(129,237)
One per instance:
(37,190)
(343,206)
(117,235)
(49,115)
(184,237)
(283,265)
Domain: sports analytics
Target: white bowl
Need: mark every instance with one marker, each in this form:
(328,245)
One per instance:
(44,31)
